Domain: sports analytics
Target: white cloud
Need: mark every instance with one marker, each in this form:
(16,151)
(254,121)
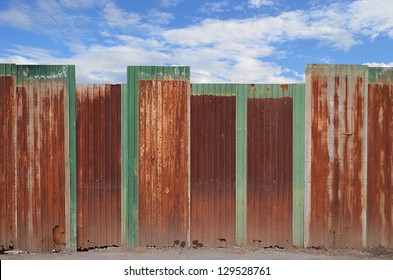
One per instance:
(262,31)
(43,17)
(214,7)
(260,3)
(372,18)
(17,59)
(160,18)
(118,18)
(78,3)
(170,3)
(16,17)
(379,64)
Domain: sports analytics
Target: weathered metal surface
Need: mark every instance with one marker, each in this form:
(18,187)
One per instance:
(213,174)
(380,168)
(98,165)
(8,194)
(130,107)
(380,75)
(269,171)
(163,162)
(297,93)
(34,148)
(336,158)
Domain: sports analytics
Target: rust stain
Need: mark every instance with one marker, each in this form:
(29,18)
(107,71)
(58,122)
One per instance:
(213,174)
(380,169)
(253,89)
(284,88)
(268,91)
(98,165)
(8,184)
(269,172)
(163,154)
(33,164)
(336,161)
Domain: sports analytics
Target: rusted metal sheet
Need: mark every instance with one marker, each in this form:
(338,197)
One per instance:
(163,162)
(33,162)
(380,168)
(8,195)
(213,174)
(337,178)
(269,171)
(98,165)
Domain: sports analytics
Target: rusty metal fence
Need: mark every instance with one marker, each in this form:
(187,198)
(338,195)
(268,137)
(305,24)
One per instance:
(162,162)
(246,182)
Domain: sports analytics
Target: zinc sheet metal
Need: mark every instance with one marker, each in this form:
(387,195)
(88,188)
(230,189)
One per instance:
(98,165)
(269,171)
(380,75)
(130,145)
(34,150)
(8,196)
(337,122)
(163,162)
(213,162)
(380,168)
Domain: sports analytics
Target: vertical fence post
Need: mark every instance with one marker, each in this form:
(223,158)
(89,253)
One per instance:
(70,109)
(298,95)
(241,165)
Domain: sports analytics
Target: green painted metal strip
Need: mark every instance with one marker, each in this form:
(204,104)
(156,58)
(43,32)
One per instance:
(380,75)
(268,90)
(241,164)
(213,89)
(7,69)
(298,166)
(130,163)
(125,176)
(72,150)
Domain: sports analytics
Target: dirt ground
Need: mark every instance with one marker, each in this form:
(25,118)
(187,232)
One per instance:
(206,253)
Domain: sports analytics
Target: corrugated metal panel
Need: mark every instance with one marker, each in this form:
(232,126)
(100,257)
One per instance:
(380,168)
(163,162)
(34,161)
(297,93)
(130,108)
(213,175)
(337,156)
(98,165)
(8,184)
(269,171)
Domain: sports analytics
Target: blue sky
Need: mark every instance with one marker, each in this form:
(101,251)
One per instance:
(249,41)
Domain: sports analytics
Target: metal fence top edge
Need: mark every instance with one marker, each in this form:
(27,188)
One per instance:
(312,68)
(99,84)
(249,90)
(244,84)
